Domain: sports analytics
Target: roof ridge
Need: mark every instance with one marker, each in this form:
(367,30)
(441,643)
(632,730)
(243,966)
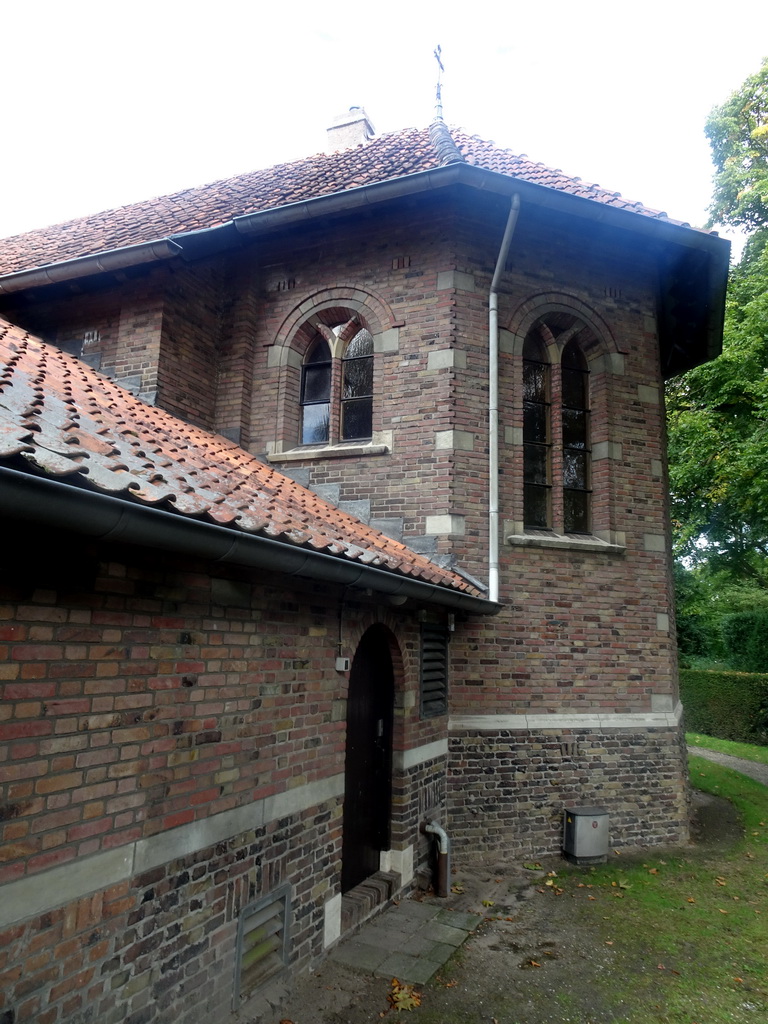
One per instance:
(442,140)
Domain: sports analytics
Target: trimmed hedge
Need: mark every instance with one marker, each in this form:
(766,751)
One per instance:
(745,638)
(727,705)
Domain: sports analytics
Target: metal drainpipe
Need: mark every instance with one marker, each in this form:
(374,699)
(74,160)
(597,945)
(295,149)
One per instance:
(443,857)
(493,404)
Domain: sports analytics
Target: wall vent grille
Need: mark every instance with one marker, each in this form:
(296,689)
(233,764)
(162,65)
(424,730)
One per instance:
(262,941)
(434,670)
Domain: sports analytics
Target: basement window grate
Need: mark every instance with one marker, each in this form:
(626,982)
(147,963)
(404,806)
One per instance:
(262,941)
(434,670)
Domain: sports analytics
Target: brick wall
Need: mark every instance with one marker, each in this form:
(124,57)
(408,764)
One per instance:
(509,789)
(171,748)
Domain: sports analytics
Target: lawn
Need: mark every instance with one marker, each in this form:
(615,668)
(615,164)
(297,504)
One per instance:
(745,750)
(664,938)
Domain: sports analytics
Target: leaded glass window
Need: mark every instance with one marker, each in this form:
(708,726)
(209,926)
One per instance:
(576,447)
(537,445)
(316,393)
(357,388)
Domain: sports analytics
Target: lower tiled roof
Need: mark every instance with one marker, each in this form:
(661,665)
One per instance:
(59,416)
(390,156)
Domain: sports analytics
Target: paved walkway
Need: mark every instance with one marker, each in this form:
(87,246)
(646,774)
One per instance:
(408,941)
(753,769)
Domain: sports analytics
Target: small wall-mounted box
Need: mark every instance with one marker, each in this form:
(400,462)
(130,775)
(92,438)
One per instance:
(585,835)
(342,664)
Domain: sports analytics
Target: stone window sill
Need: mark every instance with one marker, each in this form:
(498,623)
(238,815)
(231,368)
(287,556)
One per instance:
(335,451)
(562,541)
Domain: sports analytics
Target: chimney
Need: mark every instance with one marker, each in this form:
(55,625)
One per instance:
(349,130)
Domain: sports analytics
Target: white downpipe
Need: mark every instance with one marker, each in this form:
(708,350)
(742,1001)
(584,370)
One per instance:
(493,404)
(443,880)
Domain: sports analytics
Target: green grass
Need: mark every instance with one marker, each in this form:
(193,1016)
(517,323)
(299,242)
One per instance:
(744,750)
(663,938)
(690,931)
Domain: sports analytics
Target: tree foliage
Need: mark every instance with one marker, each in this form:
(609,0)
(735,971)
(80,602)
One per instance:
(718,437)
(738,136)
(718,413)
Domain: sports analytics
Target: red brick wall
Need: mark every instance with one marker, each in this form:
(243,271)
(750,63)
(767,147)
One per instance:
(138,696)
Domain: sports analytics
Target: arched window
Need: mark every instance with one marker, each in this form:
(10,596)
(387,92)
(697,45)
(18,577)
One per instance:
(556,428)
(357,388)
(316,393)
(537,435)
(576,447)
(337,384)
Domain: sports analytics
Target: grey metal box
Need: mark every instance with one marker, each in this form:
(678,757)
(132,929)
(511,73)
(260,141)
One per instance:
(585,835)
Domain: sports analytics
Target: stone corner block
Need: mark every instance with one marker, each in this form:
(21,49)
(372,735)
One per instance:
(654,542)
(648,393)
(463,440)
(446,524)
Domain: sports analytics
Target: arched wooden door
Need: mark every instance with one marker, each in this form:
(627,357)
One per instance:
(368,767)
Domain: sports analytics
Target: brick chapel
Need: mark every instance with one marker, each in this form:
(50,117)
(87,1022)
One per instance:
(334,499)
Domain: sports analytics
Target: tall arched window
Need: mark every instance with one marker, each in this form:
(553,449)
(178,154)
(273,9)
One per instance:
(316,393)
(556,428)
(576,447)
(537,435)
(357,388)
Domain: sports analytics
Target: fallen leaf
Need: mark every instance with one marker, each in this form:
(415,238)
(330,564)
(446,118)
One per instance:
(457,888)
(489,903)
(403,997)
(532,866)
(609,942)
(738,979)
(691,899)
(653,871)
(722,911)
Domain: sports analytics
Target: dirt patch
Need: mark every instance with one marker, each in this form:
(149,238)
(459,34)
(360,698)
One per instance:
(536,959)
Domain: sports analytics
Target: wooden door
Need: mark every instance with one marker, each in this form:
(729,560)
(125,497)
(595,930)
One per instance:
(368,766)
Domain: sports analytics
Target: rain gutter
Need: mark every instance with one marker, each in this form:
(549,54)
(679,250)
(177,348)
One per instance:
(206,241)
(55,504)
(86,266)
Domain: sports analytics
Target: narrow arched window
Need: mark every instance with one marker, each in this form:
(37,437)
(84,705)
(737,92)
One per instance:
(316,393)
(357,388)
(576,443)
(537,439)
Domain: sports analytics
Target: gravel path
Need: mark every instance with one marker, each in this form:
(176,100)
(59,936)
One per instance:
(753,769)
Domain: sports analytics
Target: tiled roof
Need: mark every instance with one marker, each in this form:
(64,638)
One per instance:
(389,156)
(72,423)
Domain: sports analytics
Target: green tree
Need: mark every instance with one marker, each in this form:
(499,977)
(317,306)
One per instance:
(718,413)
(738,136)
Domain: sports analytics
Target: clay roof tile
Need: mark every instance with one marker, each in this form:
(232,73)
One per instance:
(70,422)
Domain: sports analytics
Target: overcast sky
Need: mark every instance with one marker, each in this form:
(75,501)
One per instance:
(106,103)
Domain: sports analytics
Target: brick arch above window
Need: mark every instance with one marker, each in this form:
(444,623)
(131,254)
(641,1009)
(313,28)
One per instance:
(332,305)
(357,330)
(565,317)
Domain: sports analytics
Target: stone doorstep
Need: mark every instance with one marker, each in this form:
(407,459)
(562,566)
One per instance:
(409,941)
(360,903)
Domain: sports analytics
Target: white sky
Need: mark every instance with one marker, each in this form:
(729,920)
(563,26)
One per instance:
(108,102)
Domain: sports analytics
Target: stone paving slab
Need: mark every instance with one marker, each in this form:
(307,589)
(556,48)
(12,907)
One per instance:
(408,941)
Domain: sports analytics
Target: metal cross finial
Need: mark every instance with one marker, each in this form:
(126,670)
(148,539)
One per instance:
(438,90)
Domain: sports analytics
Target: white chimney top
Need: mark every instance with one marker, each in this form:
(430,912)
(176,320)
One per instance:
(349,130)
